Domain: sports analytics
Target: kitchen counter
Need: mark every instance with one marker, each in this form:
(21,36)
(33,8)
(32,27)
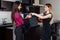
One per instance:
(6,25)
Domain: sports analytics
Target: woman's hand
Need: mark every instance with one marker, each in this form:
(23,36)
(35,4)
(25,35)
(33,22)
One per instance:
(28,16)
(32,13)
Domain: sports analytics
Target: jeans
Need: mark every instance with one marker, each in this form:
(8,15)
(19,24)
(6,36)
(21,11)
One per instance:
(19,33)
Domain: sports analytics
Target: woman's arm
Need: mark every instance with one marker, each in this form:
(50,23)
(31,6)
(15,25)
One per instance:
(41,16)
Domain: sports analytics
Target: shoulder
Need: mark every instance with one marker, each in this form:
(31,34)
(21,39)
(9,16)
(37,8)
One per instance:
(16,12)
(51,15)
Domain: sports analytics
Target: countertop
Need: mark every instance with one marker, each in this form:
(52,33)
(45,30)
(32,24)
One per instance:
(6,25)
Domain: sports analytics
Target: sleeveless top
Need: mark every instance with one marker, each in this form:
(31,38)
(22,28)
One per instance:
(46,22)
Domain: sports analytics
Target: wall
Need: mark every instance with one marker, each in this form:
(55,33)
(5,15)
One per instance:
(36,1)
(5,14)
(56,7)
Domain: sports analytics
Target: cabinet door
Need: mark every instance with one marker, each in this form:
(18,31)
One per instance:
(0,4)
(2,33)
(9,34)
(28,1)
(6,5)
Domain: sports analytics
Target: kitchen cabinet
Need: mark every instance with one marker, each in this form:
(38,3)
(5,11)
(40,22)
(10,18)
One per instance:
(6,5)
(6,34)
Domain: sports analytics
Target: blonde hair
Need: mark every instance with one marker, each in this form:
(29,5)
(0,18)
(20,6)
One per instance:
(50,10)
(49,6)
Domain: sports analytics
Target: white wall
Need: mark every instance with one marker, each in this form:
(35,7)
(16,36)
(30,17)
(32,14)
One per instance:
(36,1)
(5,14)
(56,7)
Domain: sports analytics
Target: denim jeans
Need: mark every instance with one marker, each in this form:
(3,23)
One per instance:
(19,33)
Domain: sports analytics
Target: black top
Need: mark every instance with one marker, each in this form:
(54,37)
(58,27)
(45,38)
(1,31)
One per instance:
(46,22)
(46,32)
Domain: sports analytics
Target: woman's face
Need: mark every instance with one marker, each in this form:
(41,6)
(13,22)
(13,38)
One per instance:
(19,7)
(46,8)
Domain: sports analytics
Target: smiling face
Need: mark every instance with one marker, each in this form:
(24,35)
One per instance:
(46,8)
(19,7)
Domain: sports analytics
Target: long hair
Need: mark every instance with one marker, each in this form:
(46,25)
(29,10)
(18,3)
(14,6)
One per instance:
(15,8)
(50,10)
(49,6)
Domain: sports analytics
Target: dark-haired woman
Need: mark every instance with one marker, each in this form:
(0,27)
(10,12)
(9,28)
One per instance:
(18,20)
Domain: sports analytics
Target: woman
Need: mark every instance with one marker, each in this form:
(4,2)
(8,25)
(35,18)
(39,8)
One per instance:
(18,20)
(46,18)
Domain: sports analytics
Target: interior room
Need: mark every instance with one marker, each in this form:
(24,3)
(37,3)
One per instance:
(7,28)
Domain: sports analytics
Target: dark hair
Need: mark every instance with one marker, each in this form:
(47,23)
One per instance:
(15,8)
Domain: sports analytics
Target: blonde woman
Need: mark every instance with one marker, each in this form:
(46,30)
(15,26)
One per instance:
(46,18)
